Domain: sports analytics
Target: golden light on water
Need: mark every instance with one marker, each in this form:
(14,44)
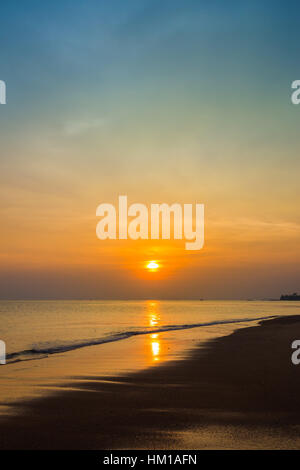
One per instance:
(154,322)
(155,350)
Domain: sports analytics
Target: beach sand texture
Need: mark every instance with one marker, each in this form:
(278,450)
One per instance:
(239,391)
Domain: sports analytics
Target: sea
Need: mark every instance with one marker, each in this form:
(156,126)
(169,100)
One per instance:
(50,343)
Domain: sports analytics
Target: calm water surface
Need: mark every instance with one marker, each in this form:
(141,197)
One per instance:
(51,342)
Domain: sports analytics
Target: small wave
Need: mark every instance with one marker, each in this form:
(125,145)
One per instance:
(42,352)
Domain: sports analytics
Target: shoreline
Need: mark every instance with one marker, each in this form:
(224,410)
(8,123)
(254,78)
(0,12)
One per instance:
(12,358)
(236,391)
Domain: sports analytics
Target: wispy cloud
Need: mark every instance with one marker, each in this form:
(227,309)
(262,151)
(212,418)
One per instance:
(81,126)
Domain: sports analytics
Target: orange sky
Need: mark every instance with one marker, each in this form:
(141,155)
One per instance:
(189,105)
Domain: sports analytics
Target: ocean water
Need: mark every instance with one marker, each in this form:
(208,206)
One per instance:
(57,345)
(35,330)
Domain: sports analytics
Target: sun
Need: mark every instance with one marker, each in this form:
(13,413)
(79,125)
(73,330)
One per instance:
(152,266)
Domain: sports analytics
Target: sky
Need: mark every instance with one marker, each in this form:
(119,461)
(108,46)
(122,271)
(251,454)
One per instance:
(162,101)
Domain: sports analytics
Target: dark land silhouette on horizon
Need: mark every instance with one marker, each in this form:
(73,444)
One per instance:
(293,296)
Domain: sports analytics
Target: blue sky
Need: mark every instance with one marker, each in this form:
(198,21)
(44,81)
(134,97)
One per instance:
(175,100)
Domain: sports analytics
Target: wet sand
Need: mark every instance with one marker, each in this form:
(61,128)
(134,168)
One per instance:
(239,391)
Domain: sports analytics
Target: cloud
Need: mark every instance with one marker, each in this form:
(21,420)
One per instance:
(79,127)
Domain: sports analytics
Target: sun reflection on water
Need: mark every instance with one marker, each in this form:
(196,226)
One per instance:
(154,322)
(155,350)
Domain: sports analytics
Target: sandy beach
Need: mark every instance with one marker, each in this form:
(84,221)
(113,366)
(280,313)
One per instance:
(240,391)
